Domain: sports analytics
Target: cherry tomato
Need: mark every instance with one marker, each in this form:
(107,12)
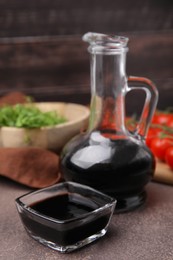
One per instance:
(162,118)
(159,147)
(170,123)
(152,133)
(169,157)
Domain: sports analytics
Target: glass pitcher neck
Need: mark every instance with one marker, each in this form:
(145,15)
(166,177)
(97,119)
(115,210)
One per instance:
(108,81)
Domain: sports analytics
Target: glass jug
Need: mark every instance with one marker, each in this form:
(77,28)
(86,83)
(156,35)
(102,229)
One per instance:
(109,157)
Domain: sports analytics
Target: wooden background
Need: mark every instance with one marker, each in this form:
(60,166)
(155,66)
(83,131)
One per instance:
(42,53)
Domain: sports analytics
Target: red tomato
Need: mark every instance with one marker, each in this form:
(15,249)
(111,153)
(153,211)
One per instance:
(162,118)
(159,147)
(170,123)
(169,157)
(152,133)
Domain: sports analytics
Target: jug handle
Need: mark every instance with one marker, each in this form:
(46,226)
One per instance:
(149,104)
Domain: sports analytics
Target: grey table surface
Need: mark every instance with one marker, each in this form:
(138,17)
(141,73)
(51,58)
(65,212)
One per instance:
(146,233)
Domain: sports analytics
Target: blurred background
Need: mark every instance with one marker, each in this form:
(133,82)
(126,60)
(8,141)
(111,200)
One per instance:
(42,53)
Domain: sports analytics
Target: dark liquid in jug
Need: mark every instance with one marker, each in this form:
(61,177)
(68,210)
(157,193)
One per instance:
(120,168)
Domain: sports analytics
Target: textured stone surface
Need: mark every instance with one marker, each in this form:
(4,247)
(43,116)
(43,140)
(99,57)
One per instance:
(144,234)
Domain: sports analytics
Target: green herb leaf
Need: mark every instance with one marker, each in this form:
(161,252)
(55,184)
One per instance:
(28,116)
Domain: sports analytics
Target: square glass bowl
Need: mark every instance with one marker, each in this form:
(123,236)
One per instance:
(66,216)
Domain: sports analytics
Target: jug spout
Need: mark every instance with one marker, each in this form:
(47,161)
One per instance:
(107,42)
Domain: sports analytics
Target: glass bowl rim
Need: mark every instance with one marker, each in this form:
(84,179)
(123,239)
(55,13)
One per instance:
(28,209)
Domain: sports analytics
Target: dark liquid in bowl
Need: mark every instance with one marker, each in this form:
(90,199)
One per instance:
(64,207)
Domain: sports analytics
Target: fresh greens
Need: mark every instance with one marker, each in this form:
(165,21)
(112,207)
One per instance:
(28,116)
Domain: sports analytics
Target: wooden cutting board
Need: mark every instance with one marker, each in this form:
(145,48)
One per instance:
(163,173)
